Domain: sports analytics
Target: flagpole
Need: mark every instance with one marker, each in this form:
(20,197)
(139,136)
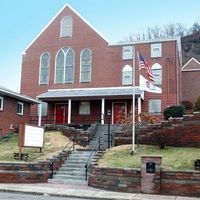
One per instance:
(133,104)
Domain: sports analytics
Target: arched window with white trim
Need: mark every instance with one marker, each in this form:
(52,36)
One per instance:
(157,72)
(86,65)
(44,68)
(66,27)
(64,69)
(127,75)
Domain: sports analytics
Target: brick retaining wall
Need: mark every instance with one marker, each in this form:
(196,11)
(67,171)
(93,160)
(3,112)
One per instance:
(182,132)
(184,183)
(124,180)
(29,172)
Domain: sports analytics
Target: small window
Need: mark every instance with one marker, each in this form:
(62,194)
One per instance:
(157,73)
(86,62)
(127,75)
(127,52)
(156,50)
(84,108)
(66,27)
(20,108)
(1,103)
(155,106)
(44,68)
(44,107)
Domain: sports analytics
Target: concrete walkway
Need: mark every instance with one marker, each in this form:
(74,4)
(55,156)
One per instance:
(83,191)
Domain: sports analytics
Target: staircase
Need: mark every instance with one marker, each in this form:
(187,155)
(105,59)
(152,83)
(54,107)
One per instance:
(73,170)
(102,134)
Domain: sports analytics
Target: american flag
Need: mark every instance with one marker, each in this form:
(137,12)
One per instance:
(144,65)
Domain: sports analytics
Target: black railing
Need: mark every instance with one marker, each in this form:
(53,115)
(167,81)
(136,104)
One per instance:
(70,145)
(88,163)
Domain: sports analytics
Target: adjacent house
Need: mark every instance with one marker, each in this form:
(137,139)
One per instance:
(14,109)
(191,67)
(79,75)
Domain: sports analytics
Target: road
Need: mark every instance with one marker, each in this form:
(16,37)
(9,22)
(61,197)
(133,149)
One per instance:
(20,196)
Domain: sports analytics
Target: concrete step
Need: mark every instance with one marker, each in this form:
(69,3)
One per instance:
(72,173)
(69,181)
(71,177)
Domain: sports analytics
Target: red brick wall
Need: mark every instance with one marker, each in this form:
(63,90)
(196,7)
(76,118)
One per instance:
(9,114)
(107,63)
(190,85)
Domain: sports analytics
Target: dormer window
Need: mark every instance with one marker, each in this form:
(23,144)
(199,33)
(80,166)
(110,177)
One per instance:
(66,27)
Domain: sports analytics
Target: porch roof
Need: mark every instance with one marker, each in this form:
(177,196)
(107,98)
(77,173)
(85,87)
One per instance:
(108,92)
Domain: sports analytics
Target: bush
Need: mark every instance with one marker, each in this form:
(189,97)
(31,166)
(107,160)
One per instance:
(197,104)
(188,105)
(174,111)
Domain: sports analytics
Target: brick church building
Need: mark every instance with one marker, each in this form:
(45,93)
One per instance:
(79,75)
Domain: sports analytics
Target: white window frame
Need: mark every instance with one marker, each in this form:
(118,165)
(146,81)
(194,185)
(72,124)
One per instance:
(84,108)
(40,73)
(157,72)
(90,75)
(66,30)
(152,103)
(21,112)
(127,52)
(1,104)
(127,71)
(64,66)
(156,50)
(44,109)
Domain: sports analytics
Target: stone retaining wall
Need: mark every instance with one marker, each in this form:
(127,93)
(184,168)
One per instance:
(179,132)
(184,183)
(29,172)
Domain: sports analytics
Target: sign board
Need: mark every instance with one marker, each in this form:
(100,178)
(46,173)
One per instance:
(127,52)
(33,136)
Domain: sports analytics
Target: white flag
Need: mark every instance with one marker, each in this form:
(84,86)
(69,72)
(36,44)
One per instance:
(148,86)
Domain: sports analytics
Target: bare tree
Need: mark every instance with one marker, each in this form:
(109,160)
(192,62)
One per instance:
(168,30)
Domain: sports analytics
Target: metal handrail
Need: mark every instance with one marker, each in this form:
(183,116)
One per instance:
(88,164)
(66,146)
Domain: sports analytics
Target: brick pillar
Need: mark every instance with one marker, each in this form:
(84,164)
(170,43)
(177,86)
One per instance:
(150,174)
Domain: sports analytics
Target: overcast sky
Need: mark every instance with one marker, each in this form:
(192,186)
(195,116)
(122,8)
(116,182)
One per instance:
(22,20)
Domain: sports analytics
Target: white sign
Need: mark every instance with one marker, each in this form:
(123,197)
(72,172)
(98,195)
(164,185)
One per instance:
(127,52)
(33,136)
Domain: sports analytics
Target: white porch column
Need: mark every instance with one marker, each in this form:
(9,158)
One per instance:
(102,110)
(39,114)
(69,111)
(139,107)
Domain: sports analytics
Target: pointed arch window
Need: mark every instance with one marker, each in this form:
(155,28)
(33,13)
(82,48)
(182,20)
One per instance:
(157,72)
(86,65)
(66,27)
(64,66)
(44,68)
(127,75)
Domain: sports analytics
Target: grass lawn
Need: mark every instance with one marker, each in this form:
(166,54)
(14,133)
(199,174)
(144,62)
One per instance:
(53,143)
(173,157)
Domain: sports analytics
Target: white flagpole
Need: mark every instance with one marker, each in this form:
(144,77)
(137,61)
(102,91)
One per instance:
(133,104)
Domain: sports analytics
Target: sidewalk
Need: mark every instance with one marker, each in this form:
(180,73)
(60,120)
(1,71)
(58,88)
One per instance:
(83,191)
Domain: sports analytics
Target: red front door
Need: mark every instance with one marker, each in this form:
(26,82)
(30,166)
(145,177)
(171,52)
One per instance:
(61,114)
(119,111)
